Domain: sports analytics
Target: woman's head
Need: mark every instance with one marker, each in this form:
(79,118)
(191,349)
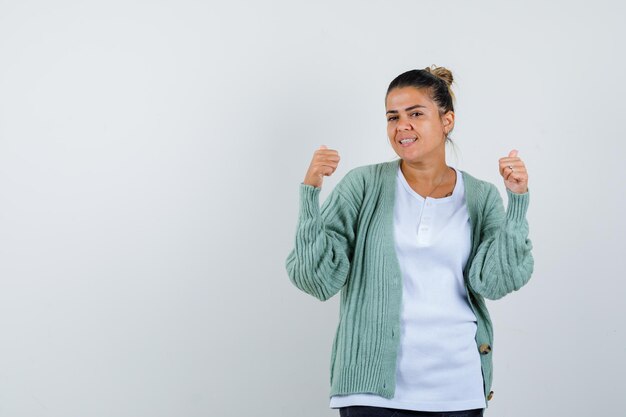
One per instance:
(419,105)
(437,81)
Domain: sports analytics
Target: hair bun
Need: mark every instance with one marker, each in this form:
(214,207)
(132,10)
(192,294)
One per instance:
(442,73)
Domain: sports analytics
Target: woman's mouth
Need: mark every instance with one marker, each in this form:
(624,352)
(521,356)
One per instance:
(407,141)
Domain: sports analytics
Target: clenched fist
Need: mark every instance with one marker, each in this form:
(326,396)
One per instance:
(514,172)
(324,163)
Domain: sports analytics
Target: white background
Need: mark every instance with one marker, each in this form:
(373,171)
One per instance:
(150,157)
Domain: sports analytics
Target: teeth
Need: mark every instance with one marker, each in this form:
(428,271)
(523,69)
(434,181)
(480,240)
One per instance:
(408,140)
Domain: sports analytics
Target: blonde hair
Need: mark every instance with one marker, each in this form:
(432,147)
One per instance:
(445,74)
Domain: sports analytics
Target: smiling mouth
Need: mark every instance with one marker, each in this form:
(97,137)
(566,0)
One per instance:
(407,141)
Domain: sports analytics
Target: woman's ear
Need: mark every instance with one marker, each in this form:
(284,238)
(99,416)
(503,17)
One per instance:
(448,122)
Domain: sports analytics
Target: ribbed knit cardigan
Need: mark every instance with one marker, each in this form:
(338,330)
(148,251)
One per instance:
(347,244)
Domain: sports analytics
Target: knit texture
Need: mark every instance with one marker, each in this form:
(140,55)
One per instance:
(347,245)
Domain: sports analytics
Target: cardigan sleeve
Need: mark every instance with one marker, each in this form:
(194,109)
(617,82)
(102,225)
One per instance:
(503,262)
(320,260)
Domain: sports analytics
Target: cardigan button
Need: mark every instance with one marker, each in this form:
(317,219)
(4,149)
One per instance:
(490,396)
(484,349)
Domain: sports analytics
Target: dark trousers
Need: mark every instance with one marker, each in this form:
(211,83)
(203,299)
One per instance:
(366,411)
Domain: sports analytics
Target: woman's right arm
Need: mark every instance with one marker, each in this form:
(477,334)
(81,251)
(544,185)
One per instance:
(320,260)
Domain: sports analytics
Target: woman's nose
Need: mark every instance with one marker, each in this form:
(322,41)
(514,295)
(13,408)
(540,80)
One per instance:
(403,124)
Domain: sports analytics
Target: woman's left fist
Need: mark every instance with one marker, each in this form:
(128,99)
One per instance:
(514,172)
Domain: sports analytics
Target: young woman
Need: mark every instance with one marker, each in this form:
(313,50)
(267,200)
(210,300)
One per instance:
(414,246)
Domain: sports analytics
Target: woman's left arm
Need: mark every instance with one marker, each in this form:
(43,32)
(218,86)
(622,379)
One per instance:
(503,262)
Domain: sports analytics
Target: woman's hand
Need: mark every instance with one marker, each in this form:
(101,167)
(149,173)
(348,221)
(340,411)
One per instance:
(324,163)
(513,171)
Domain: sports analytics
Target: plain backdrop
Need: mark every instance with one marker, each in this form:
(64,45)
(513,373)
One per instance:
(150,158)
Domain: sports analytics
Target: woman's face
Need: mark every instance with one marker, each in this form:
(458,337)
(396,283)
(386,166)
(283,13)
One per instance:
(415,130)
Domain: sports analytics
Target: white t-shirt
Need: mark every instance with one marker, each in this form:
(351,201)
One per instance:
(438,366)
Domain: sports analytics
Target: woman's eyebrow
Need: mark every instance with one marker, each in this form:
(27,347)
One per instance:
(407,109)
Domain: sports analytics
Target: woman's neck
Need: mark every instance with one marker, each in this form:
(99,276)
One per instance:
(436,181)
(425,174)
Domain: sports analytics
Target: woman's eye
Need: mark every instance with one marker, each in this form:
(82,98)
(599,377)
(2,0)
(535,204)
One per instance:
(391,118)
(416,113)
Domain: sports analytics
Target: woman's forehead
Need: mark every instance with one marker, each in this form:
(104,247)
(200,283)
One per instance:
(400,99)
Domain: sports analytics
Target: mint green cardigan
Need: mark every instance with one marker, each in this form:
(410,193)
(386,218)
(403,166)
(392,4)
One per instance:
(347,244)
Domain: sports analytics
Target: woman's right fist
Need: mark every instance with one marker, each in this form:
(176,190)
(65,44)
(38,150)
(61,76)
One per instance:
(324,163)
